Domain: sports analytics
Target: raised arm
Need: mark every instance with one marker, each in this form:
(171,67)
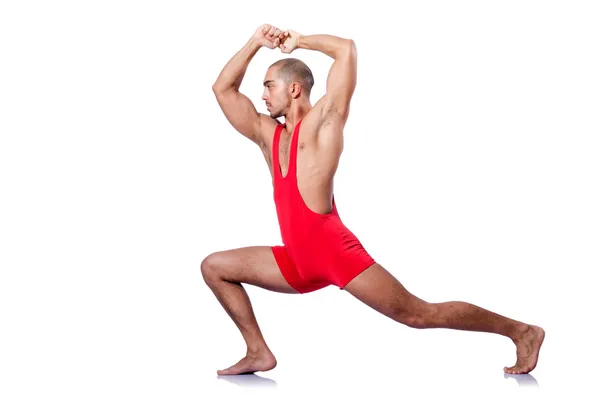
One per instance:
(238,108)
(341,80)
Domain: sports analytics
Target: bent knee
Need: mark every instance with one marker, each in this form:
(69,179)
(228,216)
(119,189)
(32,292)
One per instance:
(209,267)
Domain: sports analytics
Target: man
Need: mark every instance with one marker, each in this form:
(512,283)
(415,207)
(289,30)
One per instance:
(318,250)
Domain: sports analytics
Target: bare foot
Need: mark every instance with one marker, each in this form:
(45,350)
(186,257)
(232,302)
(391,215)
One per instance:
(528,349)
(263,361)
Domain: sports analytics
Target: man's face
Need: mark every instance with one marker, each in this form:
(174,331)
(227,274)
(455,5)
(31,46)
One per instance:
(275,94)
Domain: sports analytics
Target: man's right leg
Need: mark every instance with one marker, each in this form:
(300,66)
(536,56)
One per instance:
(224,272)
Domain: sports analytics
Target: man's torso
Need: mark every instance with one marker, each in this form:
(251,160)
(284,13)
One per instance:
(320,145)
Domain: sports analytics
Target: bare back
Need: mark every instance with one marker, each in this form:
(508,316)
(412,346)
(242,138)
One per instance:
(320,146)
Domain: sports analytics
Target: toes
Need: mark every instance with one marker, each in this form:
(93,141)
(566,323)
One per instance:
(226,371)
(513,370)
(235,370)
(516,370)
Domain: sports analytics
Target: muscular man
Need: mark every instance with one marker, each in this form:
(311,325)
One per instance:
(318,249)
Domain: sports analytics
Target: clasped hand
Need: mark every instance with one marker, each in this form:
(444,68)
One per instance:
(271,37)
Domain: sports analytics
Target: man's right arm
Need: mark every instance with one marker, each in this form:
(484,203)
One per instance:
(238,108)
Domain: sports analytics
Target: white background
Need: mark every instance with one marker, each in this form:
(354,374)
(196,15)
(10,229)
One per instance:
(470,172)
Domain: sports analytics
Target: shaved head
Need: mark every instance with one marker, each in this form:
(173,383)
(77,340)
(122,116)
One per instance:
(292,70)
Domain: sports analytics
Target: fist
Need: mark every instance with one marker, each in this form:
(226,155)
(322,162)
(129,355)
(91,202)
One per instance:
(288,41)
(268,36)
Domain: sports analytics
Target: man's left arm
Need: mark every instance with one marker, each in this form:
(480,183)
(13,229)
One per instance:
(341,80)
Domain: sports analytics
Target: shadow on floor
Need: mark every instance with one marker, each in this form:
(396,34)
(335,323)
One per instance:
(249,380)
(523,380)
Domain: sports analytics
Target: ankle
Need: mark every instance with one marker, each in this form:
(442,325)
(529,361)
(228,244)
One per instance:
(257,350)
(519,331)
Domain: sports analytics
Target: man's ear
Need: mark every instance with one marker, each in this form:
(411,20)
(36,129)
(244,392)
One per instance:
(296,90)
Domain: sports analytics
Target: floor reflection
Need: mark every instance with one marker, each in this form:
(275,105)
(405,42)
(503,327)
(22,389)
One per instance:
(249,380)
(523,380)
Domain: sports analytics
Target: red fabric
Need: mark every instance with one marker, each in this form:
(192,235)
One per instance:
(318,249)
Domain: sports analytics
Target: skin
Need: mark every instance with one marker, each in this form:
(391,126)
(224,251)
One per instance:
(319,149)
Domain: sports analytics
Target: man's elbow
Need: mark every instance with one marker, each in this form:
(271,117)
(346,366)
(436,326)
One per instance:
(219,88)
(349,48)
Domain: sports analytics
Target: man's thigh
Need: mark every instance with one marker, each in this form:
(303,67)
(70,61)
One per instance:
(254,265)
(379,289)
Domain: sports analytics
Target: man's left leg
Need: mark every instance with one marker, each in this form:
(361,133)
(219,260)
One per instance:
(380,290)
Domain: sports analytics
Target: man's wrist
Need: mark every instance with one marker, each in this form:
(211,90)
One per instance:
(301,43)
(254,43)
